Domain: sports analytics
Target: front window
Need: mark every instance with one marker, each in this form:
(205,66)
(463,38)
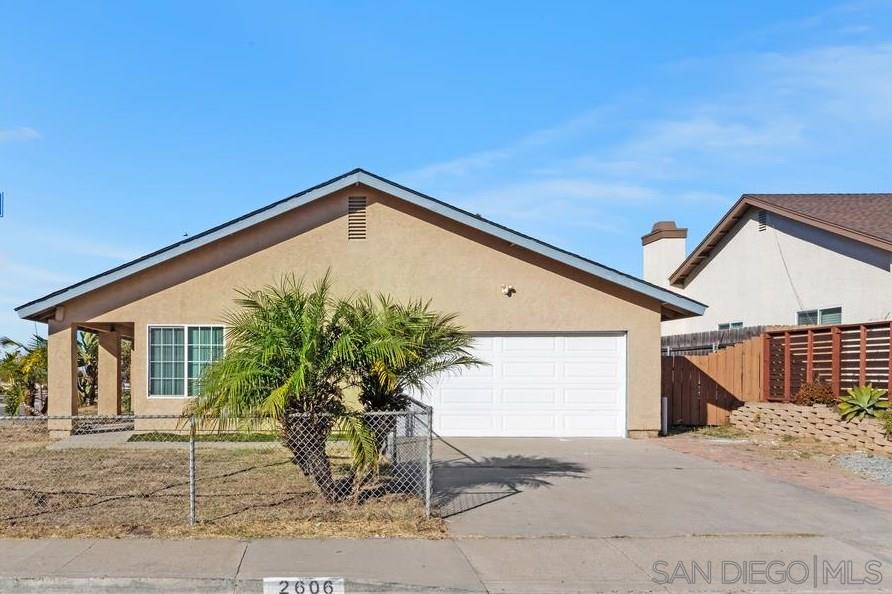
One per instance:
(827,315)
(178,355)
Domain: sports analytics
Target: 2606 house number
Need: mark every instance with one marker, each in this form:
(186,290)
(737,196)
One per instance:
(298,585)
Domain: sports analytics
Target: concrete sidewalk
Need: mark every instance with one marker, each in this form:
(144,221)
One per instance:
(464,565)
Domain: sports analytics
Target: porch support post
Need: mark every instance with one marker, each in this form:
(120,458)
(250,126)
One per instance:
(62,377)
(109,385)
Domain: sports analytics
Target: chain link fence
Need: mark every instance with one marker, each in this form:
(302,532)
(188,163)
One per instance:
(155,474)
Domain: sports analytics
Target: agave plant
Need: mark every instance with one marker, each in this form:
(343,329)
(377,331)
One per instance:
(863,401)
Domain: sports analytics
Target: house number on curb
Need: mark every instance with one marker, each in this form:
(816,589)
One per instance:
(303,585)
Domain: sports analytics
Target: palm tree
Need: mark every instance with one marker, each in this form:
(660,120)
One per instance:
(23,369)
(428,342)
(292,351)
(287,358)
(88,367)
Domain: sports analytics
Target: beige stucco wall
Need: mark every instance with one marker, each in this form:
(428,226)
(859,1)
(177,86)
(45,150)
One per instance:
(409,252)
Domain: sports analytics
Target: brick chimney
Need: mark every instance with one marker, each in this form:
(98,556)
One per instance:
(663,251)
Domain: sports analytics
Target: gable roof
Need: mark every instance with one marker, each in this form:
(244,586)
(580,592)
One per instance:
(862,217)
(673,304)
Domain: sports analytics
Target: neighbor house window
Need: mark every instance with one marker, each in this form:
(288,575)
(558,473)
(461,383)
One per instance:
(178,355)
(730,325)
(827,315)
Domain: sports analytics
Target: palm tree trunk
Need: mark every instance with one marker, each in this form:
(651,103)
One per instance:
(306,437)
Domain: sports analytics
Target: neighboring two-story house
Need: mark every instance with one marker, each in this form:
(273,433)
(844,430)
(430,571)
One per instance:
(781,259)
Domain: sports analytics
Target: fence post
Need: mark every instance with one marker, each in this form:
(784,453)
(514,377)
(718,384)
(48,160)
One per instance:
(191,471)
(788,367)
(429,462)
(810,356)
(862,357)
(889,371)
(835,354)
(766,366)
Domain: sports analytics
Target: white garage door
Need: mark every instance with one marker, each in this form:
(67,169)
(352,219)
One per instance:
(536,385)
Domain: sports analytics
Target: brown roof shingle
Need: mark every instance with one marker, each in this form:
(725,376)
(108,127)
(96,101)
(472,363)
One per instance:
(870,214)
(865,217)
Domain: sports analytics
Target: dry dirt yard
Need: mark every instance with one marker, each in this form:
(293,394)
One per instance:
(243,491)
(818,465)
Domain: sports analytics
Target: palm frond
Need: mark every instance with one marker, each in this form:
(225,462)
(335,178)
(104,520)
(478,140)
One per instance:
(364,454)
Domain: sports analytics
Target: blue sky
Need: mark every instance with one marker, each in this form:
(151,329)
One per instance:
(124,125)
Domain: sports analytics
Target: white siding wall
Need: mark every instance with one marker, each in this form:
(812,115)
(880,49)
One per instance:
(765,277)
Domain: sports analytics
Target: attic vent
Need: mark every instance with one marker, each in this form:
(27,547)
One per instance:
(763,220)
(356,221)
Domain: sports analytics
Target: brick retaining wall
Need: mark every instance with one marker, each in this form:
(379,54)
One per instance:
(817,422)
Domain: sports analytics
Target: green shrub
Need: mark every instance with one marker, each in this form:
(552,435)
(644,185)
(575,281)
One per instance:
(12,398)
(886,418)
(863,401)
(816,392)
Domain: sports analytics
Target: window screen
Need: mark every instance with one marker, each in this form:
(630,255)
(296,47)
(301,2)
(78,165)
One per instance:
(205,347)
(807,318)
(166,361)
(178,355)
(831,315)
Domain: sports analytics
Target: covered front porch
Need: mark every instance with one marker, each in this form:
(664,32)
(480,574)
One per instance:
(64,398)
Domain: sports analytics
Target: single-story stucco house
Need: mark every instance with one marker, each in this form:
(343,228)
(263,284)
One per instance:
(574,346)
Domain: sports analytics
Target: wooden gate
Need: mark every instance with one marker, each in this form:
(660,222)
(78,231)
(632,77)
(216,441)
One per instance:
(704,389)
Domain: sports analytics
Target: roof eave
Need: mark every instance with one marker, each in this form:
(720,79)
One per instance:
(41,308)
(732,217)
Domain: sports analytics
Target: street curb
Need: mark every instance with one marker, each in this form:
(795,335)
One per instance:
(117,585)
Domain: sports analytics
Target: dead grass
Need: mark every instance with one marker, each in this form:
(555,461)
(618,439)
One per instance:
(242,492)
(720,432)
(779,447)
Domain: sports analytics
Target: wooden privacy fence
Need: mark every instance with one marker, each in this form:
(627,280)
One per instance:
(704,389)
(844,355)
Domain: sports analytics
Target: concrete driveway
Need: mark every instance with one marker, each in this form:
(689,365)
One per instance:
(607,488)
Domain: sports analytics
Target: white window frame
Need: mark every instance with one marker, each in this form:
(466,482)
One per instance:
(731,325)
(818,311)
(185,328)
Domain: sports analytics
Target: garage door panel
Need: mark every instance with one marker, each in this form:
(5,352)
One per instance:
(599,399)
(515,396)
(514,344)
(471,397)
(574,369)
(472,373)
(555,385)
(528,424)
(589,345)
(528,369)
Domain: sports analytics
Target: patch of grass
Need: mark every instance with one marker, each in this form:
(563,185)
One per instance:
(227,437)
(721,432)
(243,491)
